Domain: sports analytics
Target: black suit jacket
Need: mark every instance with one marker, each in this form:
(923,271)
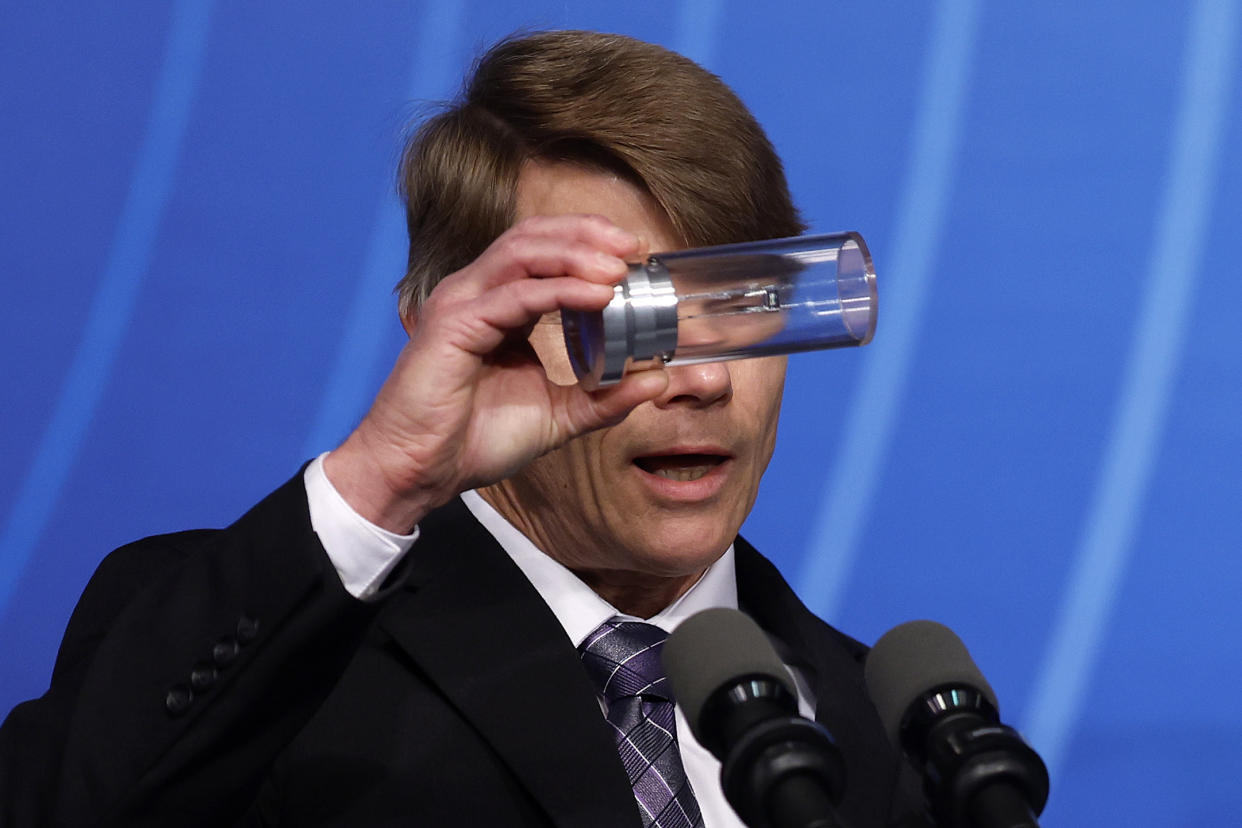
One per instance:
(221,677)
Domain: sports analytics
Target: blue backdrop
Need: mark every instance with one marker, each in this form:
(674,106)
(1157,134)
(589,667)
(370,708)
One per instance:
(1041,448)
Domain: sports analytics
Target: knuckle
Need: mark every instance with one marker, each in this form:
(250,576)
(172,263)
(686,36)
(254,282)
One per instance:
(534,223)
(598,221)
(442,296)
(513,245)
(534,226)
(515,293)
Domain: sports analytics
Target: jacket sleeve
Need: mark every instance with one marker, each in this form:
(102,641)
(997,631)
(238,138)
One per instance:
(189,662)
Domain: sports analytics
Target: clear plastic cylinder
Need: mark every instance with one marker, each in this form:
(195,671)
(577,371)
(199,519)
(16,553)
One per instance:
(729,302)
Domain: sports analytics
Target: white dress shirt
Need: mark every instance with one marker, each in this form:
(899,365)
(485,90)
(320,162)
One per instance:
(363,554)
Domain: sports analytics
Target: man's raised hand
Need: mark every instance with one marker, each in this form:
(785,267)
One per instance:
(468,402)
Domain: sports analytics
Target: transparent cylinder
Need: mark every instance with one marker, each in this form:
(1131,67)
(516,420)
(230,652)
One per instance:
(734,301)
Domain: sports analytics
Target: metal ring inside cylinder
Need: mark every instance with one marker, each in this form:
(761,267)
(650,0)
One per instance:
(638,326)
(651,320)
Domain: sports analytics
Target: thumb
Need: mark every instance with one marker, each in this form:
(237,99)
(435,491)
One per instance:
(588,410)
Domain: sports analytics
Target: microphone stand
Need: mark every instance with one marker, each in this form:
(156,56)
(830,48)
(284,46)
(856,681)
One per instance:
(979,773)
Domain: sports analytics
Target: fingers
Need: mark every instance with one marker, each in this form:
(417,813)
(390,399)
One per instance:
(494,317)
(542,264)
(593,230)
(518,303)
(585,247)
(522,256)
(583,411)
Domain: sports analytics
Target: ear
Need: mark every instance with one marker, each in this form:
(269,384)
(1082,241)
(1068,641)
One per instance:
(409,321)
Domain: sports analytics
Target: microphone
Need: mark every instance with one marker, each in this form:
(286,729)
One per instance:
(779,770)
(938,709)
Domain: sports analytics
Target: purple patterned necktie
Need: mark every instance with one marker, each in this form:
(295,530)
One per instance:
(623,659)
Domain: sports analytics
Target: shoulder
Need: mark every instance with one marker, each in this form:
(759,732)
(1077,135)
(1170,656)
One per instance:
(122,575)
(141,561)
(764,594)
(272,543)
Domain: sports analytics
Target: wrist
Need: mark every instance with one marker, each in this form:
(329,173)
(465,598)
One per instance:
(391,498)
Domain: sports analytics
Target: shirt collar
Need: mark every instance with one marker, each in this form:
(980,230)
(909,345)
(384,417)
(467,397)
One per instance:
(574,603)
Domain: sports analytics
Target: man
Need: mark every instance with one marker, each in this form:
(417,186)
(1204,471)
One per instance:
(367,647)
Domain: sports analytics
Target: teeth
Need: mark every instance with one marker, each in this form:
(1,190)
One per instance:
(683,474)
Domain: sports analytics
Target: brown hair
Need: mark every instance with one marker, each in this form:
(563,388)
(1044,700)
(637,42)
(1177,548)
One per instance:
(604,100)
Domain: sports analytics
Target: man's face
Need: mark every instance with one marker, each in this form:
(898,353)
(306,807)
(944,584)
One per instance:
(662,494)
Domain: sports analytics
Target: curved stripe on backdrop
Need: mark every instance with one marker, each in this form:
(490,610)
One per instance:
(128,259)
(1080,625)
(871,421)
(361,349)
(698,30)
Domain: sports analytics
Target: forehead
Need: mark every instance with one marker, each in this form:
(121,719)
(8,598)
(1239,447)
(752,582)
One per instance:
(553,188)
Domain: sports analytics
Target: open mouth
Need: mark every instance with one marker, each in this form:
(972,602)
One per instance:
(680,467)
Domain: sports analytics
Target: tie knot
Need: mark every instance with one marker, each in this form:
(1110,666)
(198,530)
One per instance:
(623,659)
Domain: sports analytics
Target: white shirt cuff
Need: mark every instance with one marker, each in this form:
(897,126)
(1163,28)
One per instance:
(362,553)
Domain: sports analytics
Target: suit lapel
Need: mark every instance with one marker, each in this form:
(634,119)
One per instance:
(489,643)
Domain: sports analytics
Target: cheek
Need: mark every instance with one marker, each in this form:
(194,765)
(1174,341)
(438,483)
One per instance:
(759,386)
(568,473)
(549,343)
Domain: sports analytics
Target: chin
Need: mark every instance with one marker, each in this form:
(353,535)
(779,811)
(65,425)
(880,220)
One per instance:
(687,550)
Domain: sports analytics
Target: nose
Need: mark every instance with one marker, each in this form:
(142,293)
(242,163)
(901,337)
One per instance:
(697,386)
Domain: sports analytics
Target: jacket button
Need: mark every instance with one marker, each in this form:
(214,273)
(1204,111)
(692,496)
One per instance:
(203,676)
(179,699)
(247,629)
(224,651)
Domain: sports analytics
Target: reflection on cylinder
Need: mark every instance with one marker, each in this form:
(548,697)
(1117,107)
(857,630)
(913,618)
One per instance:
(729,302)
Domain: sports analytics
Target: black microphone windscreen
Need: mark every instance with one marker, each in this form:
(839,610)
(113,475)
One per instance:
(913,659)
(713,648)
